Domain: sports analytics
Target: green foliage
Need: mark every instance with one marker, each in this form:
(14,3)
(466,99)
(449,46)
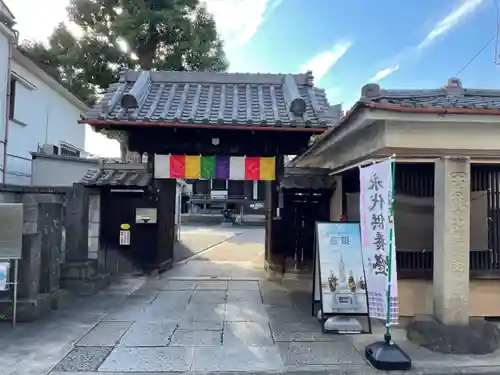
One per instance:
(314,138)
(148,34)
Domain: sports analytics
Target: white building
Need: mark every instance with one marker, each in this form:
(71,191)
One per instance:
(37,113)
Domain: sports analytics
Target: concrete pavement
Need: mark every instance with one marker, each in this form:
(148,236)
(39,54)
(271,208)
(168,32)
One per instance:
(213,313)
(195,239)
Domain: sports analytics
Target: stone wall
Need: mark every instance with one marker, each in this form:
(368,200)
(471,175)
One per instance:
(59,250)
(42,252)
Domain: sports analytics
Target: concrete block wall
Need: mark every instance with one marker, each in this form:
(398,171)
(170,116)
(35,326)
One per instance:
(94,225)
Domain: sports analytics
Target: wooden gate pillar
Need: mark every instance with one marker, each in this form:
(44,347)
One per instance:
(166,192)
(274,255)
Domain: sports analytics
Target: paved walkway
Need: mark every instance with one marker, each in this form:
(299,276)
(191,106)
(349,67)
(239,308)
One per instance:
(195,239)
(213,313)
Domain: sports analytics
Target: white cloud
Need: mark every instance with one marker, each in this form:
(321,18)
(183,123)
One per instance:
(384,73)
(450,21)
(446,24)
(238,20)
(321,63)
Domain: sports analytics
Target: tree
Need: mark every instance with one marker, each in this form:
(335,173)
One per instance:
(148,34)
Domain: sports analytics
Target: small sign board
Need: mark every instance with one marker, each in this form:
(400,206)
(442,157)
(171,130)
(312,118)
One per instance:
(145,215)
(124,237)
(11,230)
(4,275)
(339,278)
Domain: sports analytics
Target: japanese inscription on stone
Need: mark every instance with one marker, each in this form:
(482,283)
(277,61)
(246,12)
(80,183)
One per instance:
(458,205)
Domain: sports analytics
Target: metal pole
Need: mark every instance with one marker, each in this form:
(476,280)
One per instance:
(14,299)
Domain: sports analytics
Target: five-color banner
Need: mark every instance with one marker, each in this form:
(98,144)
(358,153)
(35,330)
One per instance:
(215,167)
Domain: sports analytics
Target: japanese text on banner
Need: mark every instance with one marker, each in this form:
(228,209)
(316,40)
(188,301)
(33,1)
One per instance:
(376,224)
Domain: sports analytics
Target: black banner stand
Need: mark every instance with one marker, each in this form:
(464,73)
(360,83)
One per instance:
(315,301)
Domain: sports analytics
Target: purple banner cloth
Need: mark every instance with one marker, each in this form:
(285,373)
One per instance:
(222,167)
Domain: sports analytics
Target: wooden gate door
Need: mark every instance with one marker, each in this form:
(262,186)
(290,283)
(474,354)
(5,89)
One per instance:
(301,209)
(119,208)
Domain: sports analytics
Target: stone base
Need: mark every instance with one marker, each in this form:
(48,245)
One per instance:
(79,270)
(479,337)
(274,271)
(87,287)
(28,310)
(61,299)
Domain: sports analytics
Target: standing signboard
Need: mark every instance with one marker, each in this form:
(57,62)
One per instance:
(339,278)
(11,239)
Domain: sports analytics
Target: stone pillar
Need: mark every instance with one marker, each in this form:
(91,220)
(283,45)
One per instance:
(336,200)
(451,240)
(77,211)
(94,226)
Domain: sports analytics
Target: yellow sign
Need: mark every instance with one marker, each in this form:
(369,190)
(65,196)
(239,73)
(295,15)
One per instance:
(125,226)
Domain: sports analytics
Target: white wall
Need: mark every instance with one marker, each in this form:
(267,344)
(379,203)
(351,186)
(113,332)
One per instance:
(55,170)
(41,115)
(5,38)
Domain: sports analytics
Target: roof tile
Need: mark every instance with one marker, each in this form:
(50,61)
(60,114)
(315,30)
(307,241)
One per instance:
(452,95)
(216,98)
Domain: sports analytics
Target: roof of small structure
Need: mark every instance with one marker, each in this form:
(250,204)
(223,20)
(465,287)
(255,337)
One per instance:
(116,174)
(451,96)
(286,100)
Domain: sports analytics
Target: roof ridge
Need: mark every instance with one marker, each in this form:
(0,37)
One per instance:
(302,79)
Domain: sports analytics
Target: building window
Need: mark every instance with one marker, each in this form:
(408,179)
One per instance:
(12,98)
(68,151)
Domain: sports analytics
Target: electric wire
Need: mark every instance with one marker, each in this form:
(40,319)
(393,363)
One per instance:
(495,36)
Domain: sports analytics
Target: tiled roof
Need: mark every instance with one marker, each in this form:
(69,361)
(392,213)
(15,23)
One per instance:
(216,98)
(452,95)
(117,175)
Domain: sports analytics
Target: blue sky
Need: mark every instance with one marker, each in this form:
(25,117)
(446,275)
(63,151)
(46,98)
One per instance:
(416,43)
(346,43)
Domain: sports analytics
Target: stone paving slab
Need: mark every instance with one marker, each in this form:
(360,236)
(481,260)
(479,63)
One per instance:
(84,359)
(247,333)
(186,325)
(148,334)
(248,296)
(319,353)
(196,338)
(237,358)
(187,285)
(204,313)
(212,285)
(125,314)
(207,297)
(245,312)
(243,285)
(105,334)
(155,359)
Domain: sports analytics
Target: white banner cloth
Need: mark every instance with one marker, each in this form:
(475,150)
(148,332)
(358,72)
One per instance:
(376,223)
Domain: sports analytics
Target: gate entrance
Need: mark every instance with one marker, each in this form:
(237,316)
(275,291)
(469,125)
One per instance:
(252,120)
